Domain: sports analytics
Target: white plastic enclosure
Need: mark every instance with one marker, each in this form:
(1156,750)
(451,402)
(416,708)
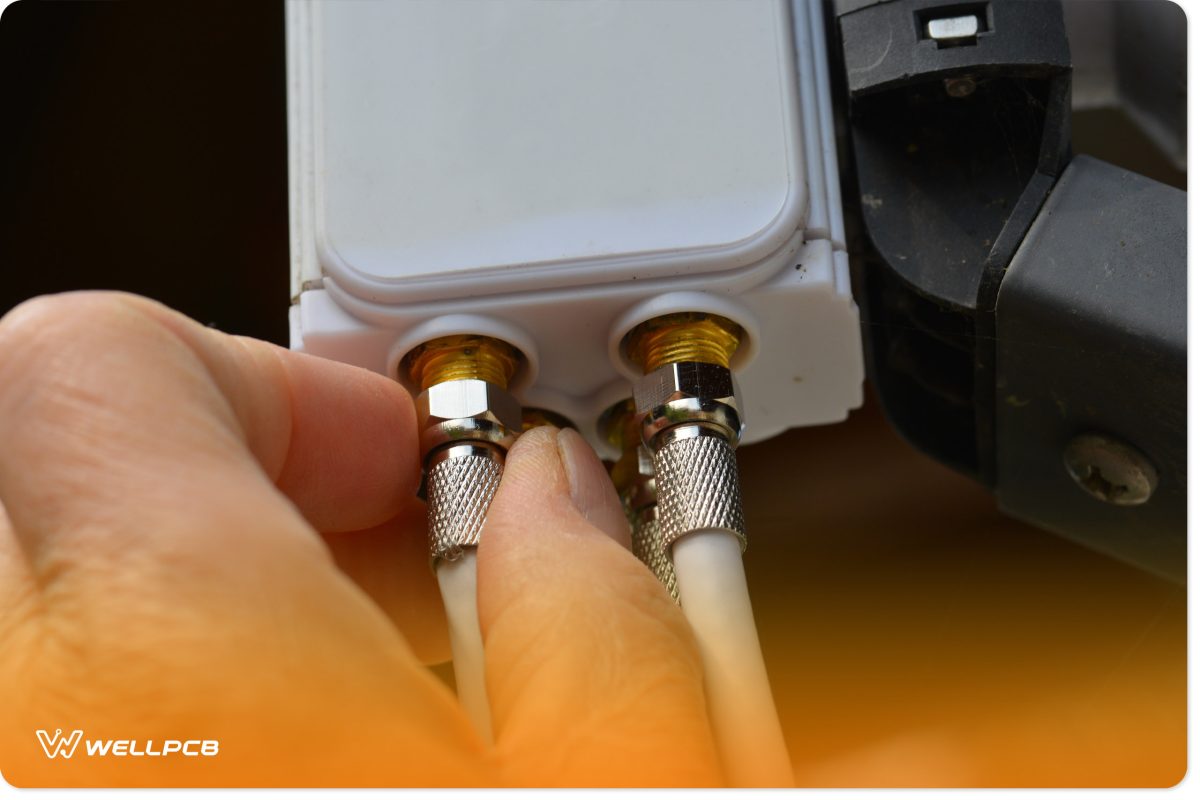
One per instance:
(554,173)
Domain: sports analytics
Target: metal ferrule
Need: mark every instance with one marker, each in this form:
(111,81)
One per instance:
(466,429)
(660,422)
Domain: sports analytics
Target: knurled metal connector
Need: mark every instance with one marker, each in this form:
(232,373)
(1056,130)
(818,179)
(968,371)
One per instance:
(465,427)
(633,476)
(466,419)
(638,490)
(461,481)
(691,420)
(698,488)
(691,424)
(648,546)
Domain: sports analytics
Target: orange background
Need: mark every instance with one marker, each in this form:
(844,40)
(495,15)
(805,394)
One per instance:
(917,637)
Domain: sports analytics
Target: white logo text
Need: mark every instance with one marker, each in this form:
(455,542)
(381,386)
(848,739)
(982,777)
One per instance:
(59,745)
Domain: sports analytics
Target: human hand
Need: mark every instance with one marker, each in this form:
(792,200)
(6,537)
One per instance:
(212,538)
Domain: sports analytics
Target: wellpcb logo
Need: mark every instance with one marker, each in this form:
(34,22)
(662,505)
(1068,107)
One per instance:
(59,745)
(64,746)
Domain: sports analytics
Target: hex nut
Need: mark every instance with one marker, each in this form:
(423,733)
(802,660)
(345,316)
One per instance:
(684,380)
(688,392)
(466,411)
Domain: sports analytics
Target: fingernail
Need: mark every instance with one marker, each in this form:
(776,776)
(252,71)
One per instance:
(591,488)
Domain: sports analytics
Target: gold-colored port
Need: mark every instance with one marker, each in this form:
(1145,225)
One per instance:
(462,357)
(537,417)
(621,427)
(686,336)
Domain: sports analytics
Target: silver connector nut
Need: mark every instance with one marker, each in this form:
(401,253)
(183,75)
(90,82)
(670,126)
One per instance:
(466,411)
(461,482)
(698,485)
(688,392)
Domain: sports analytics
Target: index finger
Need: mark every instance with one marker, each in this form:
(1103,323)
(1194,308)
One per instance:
(111,404)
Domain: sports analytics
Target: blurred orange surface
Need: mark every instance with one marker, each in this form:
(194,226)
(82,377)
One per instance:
(915,636)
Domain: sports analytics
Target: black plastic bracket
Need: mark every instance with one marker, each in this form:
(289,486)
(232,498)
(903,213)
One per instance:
(1091,332)
(955,149)
(1025,322)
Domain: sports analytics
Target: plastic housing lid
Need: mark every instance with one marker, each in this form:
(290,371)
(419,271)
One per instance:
(554,173)
(482,148)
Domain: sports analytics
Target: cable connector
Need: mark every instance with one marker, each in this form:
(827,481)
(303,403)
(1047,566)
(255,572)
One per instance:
(466,421)
(691,421)
(633,476)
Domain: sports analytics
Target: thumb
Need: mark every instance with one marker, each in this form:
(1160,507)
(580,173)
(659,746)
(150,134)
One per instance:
(593,674)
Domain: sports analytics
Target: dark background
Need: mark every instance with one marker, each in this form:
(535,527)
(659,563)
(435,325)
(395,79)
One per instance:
(143,147)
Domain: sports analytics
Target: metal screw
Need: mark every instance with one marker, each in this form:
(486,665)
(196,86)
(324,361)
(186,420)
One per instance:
(1110,470)
(962,86)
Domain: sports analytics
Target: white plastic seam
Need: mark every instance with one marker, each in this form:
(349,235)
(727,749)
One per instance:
(828,153)
(303,255)
(817,226)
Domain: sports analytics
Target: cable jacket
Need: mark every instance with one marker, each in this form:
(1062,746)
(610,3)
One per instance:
(715,599)
(457,582)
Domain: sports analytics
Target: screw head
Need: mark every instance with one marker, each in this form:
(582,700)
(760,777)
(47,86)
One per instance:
(961,86)
(1110,470)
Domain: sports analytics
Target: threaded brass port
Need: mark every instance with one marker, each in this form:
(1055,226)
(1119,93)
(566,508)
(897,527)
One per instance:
(619,425)
(686,336)
(622,428)
(461,357)
(538,417)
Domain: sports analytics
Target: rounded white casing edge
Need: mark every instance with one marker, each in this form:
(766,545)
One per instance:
(803,362)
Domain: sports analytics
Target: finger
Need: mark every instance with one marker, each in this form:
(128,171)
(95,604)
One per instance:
(390,562)
(338,440)
(139,453)
(593,676)
(121,420)
(352,459)
(591,489)
(102,392)
(18,592)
